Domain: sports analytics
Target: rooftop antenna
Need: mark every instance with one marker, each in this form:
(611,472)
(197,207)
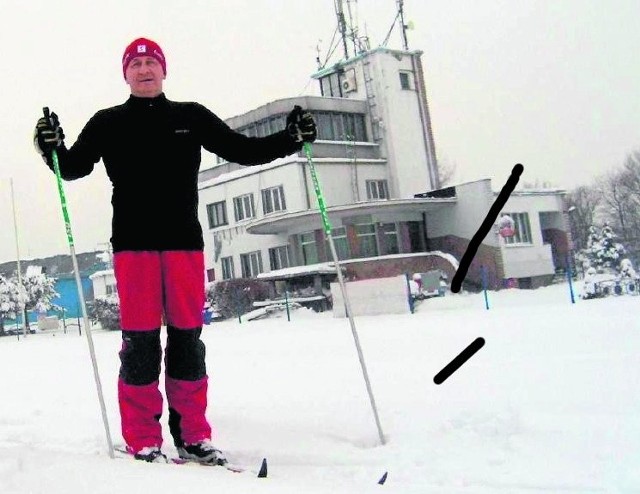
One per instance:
(353,27)
(404,27)
(342,26)
(405,43)
(360,43)
(318,55)
(332,47)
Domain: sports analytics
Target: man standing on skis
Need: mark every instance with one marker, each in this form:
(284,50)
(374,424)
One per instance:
(151,150)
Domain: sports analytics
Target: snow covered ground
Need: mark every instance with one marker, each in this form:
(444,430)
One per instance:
(549,404)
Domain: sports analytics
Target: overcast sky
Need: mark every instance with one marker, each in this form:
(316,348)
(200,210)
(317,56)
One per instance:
(554,85)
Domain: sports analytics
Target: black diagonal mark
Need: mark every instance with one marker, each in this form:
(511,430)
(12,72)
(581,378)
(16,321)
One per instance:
(457,362)
(485,228)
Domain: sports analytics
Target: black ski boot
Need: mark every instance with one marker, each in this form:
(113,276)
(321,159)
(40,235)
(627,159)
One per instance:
(202,452)
(151,455)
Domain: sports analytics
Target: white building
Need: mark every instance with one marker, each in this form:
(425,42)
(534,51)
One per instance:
(540,247)
(104,283)
(376,162)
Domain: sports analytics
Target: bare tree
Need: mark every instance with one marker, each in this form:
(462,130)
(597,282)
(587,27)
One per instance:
(583,203)
(446,171)
(631,170)
(630,180)
(621,201)
(615,197)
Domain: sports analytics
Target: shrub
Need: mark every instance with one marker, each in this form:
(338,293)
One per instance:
(210,293)
(106,311)
(235,297)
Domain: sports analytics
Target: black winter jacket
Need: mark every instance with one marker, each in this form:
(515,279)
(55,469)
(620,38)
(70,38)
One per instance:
(151,151)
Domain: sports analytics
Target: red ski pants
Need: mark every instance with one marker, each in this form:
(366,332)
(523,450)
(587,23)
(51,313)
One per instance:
(152,285)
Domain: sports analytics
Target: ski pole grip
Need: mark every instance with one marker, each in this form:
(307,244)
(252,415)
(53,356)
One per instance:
(45,111)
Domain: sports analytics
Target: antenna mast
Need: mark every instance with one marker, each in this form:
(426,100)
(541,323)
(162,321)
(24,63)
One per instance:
(403,27)
(405,43)
(342,27)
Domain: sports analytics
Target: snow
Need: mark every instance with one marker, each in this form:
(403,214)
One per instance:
(249,170)
(329,267)
(548,405)
(438,253)
(320,268)
(101,274)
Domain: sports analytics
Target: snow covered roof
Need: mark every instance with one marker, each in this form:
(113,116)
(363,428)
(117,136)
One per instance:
(311,217)
(251,170)
(248,170)
(292,272)
(329,267)
(350,61)
(537,192)
(100,274)
(450,258)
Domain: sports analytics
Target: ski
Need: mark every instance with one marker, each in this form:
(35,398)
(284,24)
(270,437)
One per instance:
(175,460)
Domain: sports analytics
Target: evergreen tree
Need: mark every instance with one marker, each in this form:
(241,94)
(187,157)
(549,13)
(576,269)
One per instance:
(612,251)
(39,292)
(602,251)
(9,301)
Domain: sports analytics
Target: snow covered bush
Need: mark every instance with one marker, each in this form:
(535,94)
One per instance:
(9,301)
(603,252)
(210,294)
(626,269)
(235,297)
(106,311)
(39,291)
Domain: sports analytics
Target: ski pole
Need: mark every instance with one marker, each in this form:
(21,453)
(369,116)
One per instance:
(343,288)
(67,223)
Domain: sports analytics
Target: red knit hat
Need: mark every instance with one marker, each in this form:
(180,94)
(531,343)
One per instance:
(143,47)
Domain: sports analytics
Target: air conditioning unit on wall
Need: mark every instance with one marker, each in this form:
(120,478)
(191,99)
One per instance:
(349,82)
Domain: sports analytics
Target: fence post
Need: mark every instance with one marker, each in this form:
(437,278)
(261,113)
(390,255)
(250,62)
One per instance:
(483,274)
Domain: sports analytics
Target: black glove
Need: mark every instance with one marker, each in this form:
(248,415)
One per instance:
(301,126)
(48,135)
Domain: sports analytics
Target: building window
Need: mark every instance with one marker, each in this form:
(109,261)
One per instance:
(227,268)
(217,214)
(416,236)
(389,238)
(263,128)
(309,248)
(330,86)
(334,126)
(354,127)
(405,80)
(522,229)
(325,129)
(251,264)
(243,208)
(211,275)
(273,200)
(279,257)
(366,238)
(339,236)
(111,289)
(377,189)
(277,122)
